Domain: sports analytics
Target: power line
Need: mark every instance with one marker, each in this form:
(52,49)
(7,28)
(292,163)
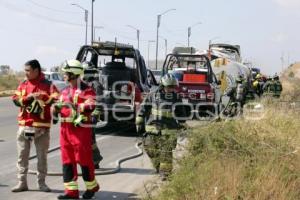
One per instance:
(36,15)
(49,8)
(42,17)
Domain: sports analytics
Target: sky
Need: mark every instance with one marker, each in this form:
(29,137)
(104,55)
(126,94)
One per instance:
(53,31)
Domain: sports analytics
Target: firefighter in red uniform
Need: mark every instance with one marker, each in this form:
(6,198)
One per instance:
(34,96)
(75,106)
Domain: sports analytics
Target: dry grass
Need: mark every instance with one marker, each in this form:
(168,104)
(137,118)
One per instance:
(245,159)
(241,160)
(8,83)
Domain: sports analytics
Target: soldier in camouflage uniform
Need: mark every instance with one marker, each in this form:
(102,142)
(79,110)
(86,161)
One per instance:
(161,112)
(90,76)
(273,87)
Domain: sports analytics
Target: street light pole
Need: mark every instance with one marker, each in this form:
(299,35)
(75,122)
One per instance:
(189,35)
(86,17)
(157,33)
(149,42)
(137,34)
(92,24)
(190,32)
(166,45)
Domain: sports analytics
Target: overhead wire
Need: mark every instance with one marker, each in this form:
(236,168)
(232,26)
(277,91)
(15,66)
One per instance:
(109,29)
(36,15)
(49,8)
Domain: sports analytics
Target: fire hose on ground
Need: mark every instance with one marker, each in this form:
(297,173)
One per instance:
(97,172)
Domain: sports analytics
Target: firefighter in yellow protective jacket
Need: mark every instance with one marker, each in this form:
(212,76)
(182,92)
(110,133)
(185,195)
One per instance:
(161,112)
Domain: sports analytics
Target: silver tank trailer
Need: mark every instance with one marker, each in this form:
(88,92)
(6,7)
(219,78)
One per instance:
(227,71)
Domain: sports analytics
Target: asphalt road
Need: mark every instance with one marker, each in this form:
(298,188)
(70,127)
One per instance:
(123,185)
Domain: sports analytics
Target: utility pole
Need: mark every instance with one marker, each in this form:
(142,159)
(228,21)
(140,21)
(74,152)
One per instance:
(137,34)
(166,47)
(189,35)
(190,31)
(92,24)
(86,17)
(149,42)
(157,33)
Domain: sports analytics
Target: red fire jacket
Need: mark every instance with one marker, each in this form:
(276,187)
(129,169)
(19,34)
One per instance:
(46,93)
(79,100)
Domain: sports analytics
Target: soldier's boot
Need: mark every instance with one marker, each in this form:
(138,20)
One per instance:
(20,187)
(43,186)
(97,158)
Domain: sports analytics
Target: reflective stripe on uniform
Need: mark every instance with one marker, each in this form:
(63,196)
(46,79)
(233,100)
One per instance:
(162,113)
(91,185)
(152,129)
(66,119)
(22,122)
(73,185)
(76,95)
(81,107)
(35,124)
(40,124)
(51,97)
(139,120)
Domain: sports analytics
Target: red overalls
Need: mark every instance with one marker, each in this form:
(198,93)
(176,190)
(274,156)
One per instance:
(76,141)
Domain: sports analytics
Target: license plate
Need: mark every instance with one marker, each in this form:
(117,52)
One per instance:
(202,96)
(185,100)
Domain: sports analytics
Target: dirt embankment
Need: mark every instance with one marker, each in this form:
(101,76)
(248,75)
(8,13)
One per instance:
(290,80)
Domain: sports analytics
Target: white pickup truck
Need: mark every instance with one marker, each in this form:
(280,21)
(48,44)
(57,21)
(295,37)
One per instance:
(56,79)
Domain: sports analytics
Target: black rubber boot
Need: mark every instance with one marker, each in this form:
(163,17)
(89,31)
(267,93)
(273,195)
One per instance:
(88,194)
(65,196)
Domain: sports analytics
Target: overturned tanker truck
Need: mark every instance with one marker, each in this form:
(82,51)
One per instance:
(227,64)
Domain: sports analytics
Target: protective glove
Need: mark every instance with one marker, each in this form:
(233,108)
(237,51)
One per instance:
(77,121)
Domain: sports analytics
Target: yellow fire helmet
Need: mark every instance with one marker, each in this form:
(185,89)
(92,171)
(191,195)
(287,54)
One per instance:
(258,76)
(73,66)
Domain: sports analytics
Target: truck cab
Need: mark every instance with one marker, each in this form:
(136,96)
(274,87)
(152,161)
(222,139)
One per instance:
(122,73)
(198,85)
